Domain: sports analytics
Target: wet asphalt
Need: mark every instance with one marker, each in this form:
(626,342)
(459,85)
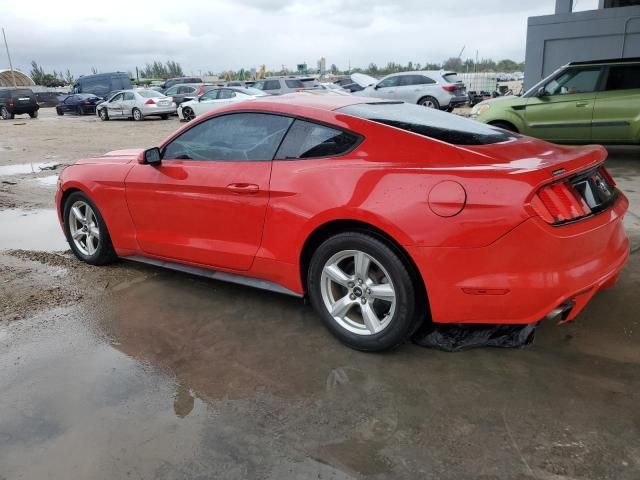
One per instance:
(170,376)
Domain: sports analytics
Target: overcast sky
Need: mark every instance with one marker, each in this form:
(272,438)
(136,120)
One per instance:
(217,35)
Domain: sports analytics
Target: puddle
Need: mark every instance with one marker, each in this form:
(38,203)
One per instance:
(22,168)
(49,180)
(31,230)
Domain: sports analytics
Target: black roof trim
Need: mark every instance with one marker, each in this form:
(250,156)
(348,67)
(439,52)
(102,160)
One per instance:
(610,60)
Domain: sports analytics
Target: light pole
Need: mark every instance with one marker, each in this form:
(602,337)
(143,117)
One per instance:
(6,46)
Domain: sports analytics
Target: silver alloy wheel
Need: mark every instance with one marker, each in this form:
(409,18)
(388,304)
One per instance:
(4,113)
(358,292)
(188,114)
(103,114)
(137,114)
(83,228)
(428,103)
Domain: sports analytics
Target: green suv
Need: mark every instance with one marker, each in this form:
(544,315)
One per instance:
(582,102)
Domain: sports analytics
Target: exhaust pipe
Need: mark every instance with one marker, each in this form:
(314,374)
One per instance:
(561,312)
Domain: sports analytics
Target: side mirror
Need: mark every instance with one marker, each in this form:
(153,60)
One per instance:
(541,92)
(150,156)
(376,87)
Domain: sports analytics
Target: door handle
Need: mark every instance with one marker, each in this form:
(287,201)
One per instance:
(243,188)
(582,104)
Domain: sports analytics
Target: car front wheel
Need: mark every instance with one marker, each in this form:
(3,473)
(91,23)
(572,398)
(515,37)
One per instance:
(363,292)
(102,113)
(86,230)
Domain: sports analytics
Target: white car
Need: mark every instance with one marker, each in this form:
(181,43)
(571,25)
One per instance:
(217,98)
(136,104)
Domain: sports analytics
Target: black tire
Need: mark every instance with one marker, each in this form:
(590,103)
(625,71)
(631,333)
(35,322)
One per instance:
(79,110)
(5,114)
(104,252)
(405,318)
(429,102)
(505,125)
(137,115)
(103,114)
(59,112)
(34,114)
(165,116)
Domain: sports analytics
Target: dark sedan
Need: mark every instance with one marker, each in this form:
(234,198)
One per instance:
(79,103)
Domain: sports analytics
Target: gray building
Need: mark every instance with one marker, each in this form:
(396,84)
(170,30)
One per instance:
(610,31)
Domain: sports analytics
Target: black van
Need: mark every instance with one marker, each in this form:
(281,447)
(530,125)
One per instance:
(17,101)
(101,84)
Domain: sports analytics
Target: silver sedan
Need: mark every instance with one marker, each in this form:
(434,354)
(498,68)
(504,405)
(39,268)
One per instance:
(136,104)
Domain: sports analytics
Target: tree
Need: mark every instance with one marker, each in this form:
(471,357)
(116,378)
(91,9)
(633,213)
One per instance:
(432,66)
(334,69)
(94,70)
(69,79)
(40,77)
(373,68)
(452,63)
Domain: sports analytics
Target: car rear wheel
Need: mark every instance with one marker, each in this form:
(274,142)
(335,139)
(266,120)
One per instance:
(103,114)
(34,114)
(5,114)
(164,117)
(188,114)
(86,230)
(79,110)
(429,102)
(137,114)
(363,292)
(59,112)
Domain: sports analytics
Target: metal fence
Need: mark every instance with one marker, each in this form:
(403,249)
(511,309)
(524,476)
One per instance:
(483,85)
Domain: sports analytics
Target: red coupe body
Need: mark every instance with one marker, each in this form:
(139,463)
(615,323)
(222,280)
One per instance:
(490,228)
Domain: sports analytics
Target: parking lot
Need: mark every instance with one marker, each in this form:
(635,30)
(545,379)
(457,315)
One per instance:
(130,371)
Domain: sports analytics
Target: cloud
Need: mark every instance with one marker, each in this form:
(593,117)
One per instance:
(203,35)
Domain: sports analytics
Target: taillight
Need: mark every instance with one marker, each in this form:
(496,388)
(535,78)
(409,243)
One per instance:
(10,101)
(449,88)
(87,102)
(200,91)
(151,101)
(603,171)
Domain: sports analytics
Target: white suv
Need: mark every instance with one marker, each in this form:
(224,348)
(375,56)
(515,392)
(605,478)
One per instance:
(441,90)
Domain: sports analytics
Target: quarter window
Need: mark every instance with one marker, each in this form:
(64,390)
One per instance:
(406,80)
(623,77)
(310,140)
(210,95)
(129,96)
(294,83)
(226,94)
(233,137)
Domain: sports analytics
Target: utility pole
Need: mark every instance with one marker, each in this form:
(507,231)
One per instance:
(6,46)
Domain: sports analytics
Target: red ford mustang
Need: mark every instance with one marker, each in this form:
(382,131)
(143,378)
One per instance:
(385,214)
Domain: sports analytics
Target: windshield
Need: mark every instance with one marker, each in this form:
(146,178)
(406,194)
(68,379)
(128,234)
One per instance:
(149,93)
(429,123)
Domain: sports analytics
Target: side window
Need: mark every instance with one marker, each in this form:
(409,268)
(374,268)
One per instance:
(71,99)
(310,140)
(623,77)
(389,82)
(210,95)
(575,80)
(226,94)
(406,80)
(171,91)
(233,137)
(117,98)
(294,84)
(271,85)
(129,96)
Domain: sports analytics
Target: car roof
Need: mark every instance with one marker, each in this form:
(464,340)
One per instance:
(423,72)
(607,61)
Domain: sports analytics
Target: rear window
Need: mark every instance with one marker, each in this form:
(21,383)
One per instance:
(149,93)
(451,77)
(430,123)
(294,83)
(22,93)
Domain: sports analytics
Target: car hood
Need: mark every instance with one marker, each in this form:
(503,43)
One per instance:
(116,156)
(504,101)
